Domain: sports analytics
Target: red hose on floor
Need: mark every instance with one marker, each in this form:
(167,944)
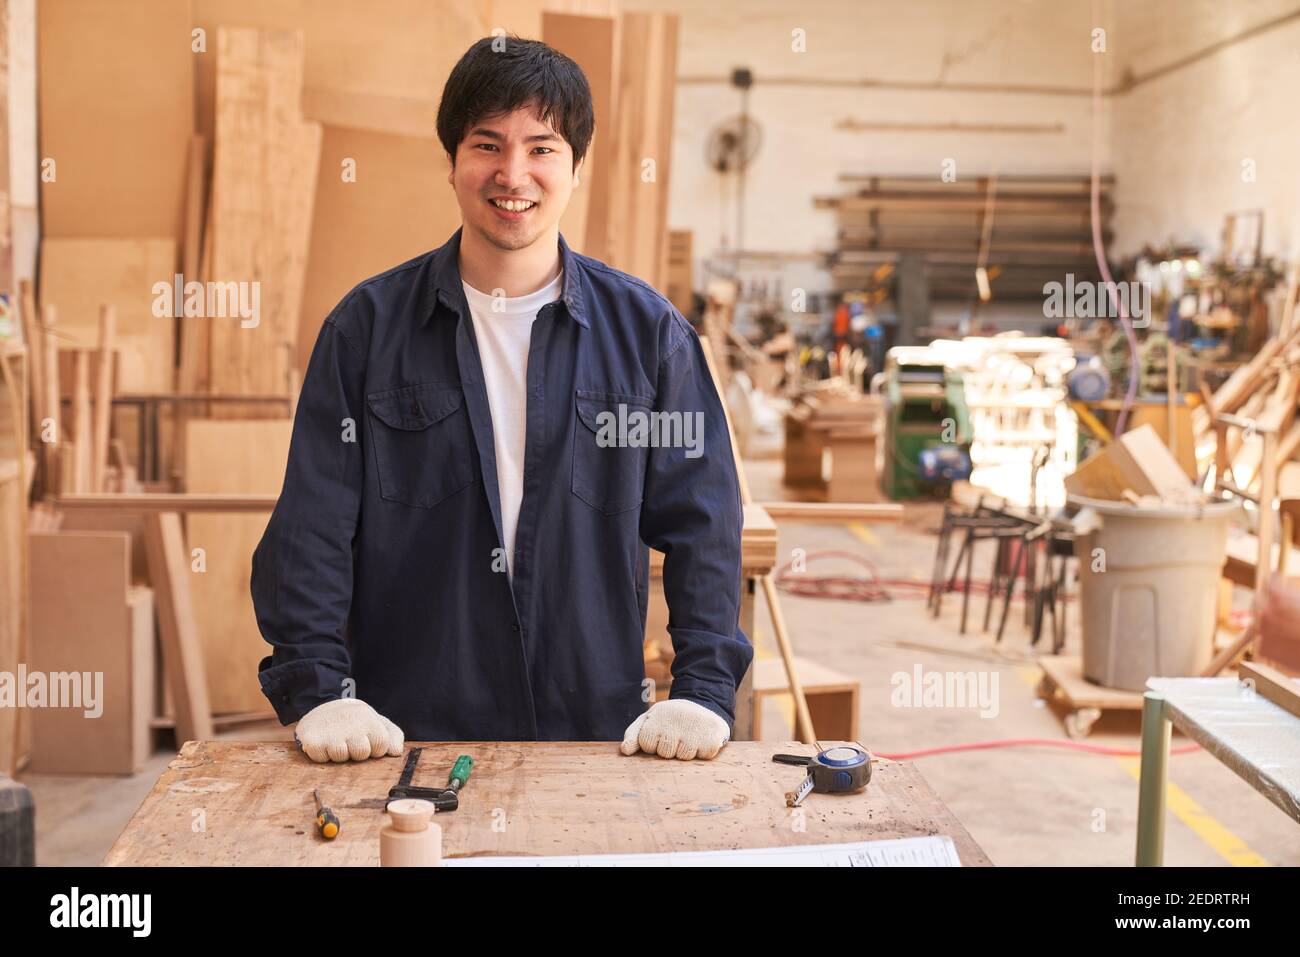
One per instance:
(870,588)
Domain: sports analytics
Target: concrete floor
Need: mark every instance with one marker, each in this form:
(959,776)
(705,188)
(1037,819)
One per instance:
(1023,805)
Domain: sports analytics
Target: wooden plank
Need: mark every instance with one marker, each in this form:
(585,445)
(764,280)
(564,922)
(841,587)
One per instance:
(1277,686)
(107,631)
(647,70)
(834,512)
(192,338)
(149,502)
(629,805)
(1264,531)
(231,456)
(397,207)
(78,276)
(169,573)
(50,354)
(376,66)
(263,183)
(591,42)
(679,284)
(81,424)
(34,339)
(14,604)
(1147,464)
(1098,476)
(116,109)
(103,397)
(13,592)
(1183,447)
(1242,383)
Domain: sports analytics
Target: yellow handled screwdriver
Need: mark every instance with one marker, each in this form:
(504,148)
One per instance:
(327,822)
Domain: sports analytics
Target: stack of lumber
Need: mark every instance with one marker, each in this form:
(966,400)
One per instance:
(1037,228)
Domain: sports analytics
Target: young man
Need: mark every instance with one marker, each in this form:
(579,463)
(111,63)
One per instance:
(488,437)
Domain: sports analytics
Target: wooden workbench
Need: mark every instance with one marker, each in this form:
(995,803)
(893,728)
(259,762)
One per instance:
(250,803)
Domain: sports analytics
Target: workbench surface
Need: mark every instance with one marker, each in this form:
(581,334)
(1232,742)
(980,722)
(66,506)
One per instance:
(250,803)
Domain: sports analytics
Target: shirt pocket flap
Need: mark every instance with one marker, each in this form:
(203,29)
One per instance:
(415,408)
(591,404)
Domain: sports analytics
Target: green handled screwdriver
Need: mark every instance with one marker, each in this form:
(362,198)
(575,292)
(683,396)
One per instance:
(460,772)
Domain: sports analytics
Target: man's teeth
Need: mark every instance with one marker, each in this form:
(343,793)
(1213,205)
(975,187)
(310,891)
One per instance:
(514,205)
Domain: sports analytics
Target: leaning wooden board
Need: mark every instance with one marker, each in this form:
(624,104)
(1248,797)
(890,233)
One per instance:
(231,455)
(264,169)
(250,804)
(116,89)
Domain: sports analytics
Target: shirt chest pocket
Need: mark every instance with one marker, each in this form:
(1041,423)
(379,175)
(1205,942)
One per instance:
(611,438)
(424,452)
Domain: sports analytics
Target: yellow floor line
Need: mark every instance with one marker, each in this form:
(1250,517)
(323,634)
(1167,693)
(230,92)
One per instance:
(1224,843)
(1221,840)
(864,533)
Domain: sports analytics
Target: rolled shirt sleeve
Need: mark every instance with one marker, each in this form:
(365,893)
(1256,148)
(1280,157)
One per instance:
(302,570)
(692,512)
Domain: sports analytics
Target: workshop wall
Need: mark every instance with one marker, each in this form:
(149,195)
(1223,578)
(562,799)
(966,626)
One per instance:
(1180,139)
(1001,62)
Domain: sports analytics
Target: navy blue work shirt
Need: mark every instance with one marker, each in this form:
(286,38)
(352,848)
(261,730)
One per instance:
(382,561)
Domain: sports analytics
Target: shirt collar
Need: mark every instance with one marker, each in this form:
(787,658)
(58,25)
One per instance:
(446,287)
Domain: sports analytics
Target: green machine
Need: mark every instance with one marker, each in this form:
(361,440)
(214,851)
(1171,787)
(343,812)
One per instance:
(927,424)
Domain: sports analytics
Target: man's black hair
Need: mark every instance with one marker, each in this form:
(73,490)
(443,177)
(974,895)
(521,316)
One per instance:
(490,82)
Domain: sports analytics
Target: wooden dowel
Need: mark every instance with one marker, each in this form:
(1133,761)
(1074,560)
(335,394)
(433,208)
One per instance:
(81,424)
(103,396)
(53,409)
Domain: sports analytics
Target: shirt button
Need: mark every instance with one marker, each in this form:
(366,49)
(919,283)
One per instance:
(514,627)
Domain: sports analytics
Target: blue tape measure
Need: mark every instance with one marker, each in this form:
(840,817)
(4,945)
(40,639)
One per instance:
(839,770)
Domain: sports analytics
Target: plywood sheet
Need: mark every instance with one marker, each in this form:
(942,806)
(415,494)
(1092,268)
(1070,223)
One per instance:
(12,502)
(643,125)
(399,206)
(107,631)
(591,43)
(263,184)
(231,456)
(378,65)
(116,111)
(79,275)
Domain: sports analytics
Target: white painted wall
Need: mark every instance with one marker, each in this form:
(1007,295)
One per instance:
(1008,43)
(1179,140)
(1175,143)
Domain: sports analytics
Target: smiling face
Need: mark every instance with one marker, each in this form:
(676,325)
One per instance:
(513,175)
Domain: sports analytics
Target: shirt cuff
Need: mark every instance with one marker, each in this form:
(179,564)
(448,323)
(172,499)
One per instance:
(298,686)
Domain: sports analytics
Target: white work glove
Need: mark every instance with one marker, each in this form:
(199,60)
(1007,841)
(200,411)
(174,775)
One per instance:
(347,730)
(676,728)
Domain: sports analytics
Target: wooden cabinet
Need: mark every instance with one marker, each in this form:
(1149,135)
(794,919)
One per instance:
(13,536)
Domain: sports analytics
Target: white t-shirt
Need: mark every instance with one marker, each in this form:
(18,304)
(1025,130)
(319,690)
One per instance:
(503,328)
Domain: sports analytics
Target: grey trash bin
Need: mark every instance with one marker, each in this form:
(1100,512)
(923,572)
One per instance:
(1148,586)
